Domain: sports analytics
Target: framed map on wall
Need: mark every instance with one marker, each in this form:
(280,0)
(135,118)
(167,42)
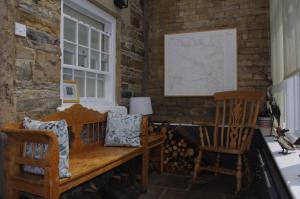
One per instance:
(200,63)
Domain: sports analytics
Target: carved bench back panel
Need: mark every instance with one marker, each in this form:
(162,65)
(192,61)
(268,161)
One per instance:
(86,127)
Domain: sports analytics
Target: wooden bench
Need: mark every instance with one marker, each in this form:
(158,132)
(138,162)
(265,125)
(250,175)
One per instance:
(88,157)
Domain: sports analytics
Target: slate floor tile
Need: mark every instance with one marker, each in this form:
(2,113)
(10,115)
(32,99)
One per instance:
(208,187)
(153,192)
(172,181)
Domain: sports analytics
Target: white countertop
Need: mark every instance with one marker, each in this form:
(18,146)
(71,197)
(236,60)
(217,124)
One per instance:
(289,166)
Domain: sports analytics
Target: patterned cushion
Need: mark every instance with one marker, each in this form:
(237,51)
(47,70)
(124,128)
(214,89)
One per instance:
(123,130)
(60,128)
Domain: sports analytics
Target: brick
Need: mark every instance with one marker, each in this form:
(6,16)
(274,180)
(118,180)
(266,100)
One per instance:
(251,18)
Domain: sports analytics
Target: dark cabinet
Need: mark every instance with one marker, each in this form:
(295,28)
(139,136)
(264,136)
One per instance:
(270,184)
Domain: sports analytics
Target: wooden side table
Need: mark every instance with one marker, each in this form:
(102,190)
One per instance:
(156,140)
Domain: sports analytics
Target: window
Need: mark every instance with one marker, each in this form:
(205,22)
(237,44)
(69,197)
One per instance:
(285,54)
(88,55)
(292,103)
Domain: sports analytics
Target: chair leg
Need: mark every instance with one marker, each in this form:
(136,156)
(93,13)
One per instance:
(217,162)
(239,174)
(247,170)
(197,166)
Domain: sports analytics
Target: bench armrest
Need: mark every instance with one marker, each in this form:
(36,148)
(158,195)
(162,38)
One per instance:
(27,135)
(16,142)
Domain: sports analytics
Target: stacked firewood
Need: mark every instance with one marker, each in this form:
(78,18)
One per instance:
(179,155)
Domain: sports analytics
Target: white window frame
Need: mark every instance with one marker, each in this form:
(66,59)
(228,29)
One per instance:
(90,10)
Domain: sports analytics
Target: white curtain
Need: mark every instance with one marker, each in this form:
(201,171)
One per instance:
(292,103)
(291,36)
(285,58)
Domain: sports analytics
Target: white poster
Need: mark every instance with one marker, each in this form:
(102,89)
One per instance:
(200,63)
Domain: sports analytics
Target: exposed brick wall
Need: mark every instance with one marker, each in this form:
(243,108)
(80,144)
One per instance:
(249,17)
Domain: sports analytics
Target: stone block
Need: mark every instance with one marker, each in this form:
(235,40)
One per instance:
(47,67)
(126,94)
(24,53)
(24,69)
(136,19)
(42,37)
(55,49)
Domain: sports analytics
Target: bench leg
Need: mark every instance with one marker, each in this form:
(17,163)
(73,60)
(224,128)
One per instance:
(12,193)
(11,168)
(51,192)
(51,187)
(217,163)
(145,168)
(161,163)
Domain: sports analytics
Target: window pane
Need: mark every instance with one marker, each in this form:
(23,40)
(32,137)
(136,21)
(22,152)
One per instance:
(88,20)
(79,77)
(82,57)
(83,32)
(104,62)
(95,64)
(105,43)
(100,86)
(67,74)
(69,30)
(91,85)
(95,39)
(69,53)
(91,75)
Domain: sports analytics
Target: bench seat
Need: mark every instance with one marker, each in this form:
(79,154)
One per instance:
(87,165)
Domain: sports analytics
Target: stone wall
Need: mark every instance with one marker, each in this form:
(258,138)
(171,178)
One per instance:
(32,63)
(132,52)
(249,17)
(38,58)
(36,69)
(7,74)
(130,47)
(30,66)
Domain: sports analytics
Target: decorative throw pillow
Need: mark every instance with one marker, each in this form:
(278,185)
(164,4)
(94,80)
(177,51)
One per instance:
(60,128)
(123,130)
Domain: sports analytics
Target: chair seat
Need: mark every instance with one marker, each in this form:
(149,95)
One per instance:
(222,150)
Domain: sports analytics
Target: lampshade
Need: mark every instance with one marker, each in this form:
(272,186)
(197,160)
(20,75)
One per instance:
(140,105)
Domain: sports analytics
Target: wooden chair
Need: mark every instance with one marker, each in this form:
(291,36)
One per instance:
(235,122)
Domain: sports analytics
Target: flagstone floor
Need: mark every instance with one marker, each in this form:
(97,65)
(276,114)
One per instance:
(209,187)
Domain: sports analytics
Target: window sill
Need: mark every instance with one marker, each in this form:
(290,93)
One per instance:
(288,166)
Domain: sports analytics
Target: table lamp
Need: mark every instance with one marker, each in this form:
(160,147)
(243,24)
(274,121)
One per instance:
(140,105)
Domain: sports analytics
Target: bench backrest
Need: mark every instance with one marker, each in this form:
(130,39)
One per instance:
(87,127)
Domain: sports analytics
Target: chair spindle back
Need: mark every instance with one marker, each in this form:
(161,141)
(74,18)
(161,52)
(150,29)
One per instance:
(236,114)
